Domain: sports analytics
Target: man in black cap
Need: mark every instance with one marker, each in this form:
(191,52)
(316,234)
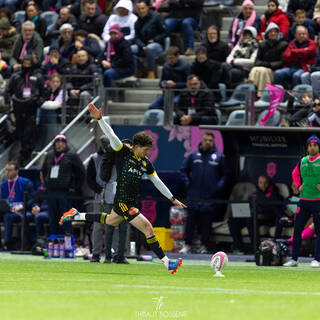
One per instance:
(62,175)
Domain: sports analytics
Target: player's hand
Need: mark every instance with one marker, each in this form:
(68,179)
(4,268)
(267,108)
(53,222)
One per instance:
(301,187)
(96,113)
(318,187)
(178,203)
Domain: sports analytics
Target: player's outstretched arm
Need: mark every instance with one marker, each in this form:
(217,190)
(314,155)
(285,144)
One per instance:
(158,183)
(115,142)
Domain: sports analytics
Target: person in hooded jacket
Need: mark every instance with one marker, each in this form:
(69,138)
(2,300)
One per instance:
(118,61)
(269,58)
(274,14)
(8,35)
(242,57)
(217,50)
(63,175)
(27,91)
(124,17)
(203,173)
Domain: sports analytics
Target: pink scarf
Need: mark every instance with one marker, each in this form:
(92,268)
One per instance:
(24,49)
(110,50)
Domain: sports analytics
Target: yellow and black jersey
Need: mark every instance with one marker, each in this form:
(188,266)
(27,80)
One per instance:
(130,170)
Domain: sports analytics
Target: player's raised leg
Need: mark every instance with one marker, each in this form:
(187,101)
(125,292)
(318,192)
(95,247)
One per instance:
(144,225)
(74,215)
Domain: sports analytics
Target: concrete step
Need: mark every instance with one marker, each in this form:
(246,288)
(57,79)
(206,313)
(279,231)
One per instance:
(226,23)
(125,119)
(144,96)
(149,83)
(127,108)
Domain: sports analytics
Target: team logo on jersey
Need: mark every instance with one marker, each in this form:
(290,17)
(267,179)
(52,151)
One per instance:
(144,163)
(214,156)
(133,211)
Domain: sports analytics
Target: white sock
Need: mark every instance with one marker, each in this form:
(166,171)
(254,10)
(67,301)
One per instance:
(165,261)
(81,216)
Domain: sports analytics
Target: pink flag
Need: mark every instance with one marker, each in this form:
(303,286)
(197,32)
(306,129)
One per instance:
(276,96)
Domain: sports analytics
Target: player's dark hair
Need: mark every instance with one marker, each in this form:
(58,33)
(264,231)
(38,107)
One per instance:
(173,51)
(191,76)
(208,134)
(142,139)
(13,163)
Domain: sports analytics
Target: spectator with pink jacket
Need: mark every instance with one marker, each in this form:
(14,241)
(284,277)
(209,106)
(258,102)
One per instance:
(246,18)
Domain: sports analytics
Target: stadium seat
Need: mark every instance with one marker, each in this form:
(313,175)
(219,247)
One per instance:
(238,96)
(264,101)
(298,90)
(50,17)
(215,3)
(273,121)
(237,118)
(223,91)
(20,15)
(154,117)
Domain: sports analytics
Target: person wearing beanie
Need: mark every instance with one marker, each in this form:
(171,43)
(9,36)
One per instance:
(63,175)
(208,71)
(123,16)
(64,42)
(306,176)
(269,58)
(246,18)
(117,61)
(274,14)
(242,57)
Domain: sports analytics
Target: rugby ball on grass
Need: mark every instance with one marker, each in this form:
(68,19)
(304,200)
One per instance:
(219,261)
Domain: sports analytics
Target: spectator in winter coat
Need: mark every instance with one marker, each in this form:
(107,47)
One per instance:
(306,5)
(312,77)
(274,14)
(6,12)
(247,18)
(64,42)
(298,57)
(208,71)
(117,60)
(269,58)
(26,88)
(50,109)
(92,20)
(174,75)
(123,16)
(63,175)
(217,50)
(81,88)
(242,57)
(84,41)
(204,175)
(185,17)
(195,106)
(8,36)
(300,19)
(29,42)
(33,15)
(150,32)
(54,63)
(65,16)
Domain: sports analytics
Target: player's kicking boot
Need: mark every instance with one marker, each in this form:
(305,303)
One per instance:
(171,265)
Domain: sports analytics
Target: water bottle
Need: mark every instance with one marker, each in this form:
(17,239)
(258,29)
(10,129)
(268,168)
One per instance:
(61,249)
(50,249)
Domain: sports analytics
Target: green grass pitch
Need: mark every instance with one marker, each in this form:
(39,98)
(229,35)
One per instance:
(35,288)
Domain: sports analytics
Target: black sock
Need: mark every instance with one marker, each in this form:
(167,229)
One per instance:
(96,217)
(155,247)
